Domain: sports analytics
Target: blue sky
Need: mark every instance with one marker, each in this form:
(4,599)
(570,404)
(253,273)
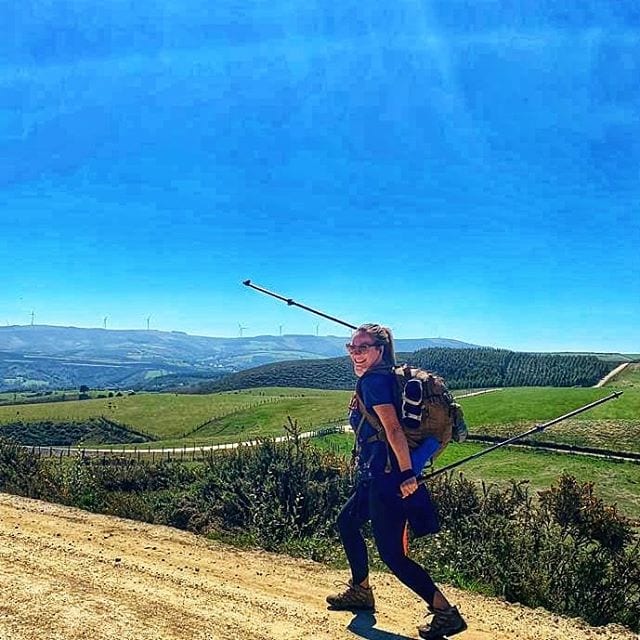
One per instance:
(450,168)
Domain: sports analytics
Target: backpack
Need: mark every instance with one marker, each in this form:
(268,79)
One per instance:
(428,414)
(427,408)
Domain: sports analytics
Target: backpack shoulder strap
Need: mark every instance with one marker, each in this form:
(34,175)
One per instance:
(372,419)
(379,436)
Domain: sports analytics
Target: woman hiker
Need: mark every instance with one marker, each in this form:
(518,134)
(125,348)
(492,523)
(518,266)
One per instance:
(384,479)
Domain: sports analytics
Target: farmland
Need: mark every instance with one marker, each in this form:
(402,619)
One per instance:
(616,482)
(233,416)
(186,420)
(199,419)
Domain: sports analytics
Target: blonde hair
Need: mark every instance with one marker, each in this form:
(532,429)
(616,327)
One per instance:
(383,337)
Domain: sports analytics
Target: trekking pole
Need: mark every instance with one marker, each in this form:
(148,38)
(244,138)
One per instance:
(293,303)
(537,429)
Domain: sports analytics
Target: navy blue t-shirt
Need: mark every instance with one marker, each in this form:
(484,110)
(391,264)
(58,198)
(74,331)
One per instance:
(374,389)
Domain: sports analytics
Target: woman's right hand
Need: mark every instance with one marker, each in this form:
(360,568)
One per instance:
(409,486)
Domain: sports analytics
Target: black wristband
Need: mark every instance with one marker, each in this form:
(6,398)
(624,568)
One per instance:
(405,475)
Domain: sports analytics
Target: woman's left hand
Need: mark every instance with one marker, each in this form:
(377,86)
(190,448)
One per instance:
(409,486)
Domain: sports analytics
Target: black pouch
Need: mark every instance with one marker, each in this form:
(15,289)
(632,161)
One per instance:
(421,512)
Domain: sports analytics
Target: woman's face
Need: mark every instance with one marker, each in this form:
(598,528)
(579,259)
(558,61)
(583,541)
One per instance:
(363,352)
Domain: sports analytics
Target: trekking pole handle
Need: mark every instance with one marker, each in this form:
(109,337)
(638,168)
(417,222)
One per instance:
(293,303)
(536,429)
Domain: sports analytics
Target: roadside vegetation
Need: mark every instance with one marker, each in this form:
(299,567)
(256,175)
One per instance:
(628,379)
(565,550)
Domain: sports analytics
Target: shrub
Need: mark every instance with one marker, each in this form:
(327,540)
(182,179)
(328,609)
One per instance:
(567,551)
(276,493)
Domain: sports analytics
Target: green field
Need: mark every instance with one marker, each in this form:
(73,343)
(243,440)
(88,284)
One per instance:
(34,397)
(612,425)
(628,379)
(232,416)
(173,418)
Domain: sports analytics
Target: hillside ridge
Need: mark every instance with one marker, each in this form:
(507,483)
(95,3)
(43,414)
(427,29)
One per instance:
(47,357)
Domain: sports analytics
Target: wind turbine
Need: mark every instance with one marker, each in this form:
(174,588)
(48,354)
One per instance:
(280,327)
(104,322)
(33,315)
(148,318)
(241,329)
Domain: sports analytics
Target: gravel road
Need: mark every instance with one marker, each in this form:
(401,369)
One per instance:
(68,575)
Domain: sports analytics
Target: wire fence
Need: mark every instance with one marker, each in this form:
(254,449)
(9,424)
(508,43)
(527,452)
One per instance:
(183,453)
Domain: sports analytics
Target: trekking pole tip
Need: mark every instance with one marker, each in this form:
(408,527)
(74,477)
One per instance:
(246,282)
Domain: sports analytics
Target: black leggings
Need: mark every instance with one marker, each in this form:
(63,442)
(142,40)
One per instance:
(382,505)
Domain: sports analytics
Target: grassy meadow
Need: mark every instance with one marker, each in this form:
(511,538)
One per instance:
(612,425)
(203,419)
(237,415)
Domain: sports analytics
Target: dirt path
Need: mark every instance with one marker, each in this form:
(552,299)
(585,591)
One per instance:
(612,374)
(67,575)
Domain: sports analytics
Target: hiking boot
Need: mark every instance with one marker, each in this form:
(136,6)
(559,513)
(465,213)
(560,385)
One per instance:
(445,622)
(353,597)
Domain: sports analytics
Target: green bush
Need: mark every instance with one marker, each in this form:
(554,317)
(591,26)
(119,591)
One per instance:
(565,551)
(70,433)
(21,472)
(276,493)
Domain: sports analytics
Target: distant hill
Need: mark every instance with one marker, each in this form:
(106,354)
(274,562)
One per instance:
(461,368)
(46,357)
(608,357)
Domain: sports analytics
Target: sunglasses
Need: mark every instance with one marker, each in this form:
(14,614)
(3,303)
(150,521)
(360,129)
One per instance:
(360,349)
